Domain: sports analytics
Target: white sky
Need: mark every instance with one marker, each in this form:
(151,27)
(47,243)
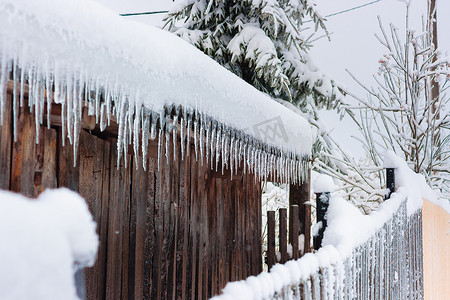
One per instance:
(353,45)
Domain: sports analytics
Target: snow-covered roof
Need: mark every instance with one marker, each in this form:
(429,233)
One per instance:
(143,76)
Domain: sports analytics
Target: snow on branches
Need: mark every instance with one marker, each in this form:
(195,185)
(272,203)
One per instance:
(262,42)
(402,114)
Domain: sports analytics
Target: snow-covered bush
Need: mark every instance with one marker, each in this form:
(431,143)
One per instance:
(44,241)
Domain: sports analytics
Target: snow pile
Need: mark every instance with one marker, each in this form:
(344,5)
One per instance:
(323,184)
(149,80)
(413,184)
(44,241)
(348,230)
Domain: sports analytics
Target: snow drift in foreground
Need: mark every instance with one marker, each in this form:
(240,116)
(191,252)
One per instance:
(347,230)
(44,241)
(146,78)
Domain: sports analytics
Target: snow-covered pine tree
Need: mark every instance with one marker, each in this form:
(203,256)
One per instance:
(263,42)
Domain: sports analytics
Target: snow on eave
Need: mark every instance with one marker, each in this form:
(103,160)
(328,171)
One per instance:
(132,70)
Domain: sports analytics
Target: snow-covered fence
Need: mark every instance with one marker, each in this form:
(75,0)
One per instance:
(386,266)
(376,256)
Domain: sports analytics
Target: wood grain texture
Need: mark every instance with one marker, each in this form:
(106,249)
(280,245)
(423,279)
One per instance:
(24,154)
(178,232)
(6,138)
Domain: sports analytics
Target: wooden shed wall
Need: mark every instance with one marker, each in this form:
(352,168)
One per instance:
(180,232)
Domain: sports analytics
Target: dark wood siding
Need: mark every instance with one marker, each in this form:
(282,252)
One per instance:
(182,231)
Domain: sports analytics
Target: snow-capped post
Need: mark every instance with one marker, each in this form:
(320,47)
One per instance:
(390,163)
(270,239)
(323,187)
(390,182)
(295,228)
(282,236)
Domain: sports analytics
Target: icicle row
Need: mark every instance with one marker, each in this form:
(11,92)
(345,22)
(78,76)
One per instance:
(217,145)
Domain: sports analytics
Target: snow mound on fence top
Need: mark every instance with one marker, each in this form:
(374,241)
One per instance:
(148,66)
(324,184)
(43,242)
(413,184)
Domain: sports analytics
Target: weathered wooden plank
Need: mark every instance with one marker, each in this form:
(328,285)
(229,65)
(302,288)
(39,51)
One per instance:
(193,248)
(6,138)
(212,237)
(23,156)
(150,221)
(104,164)
(49,167)
(298,195)
(159,233)
(283,234)
(230,229)
(183,227)
(138,217)
(233,229)
(270,239)
(247,229)
(39,163)
(258,234)
(118,235)
(132,238)
(125,206)
(295,229)
(68,174)
(240,230)
(199,232)
(166,211)
(221,245)
(175,219)
(94,187)
(190,267)
(204,244)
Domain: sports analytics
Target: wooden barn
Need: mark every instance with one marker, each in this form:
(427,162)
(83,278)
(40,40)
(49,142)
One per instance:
(168,148)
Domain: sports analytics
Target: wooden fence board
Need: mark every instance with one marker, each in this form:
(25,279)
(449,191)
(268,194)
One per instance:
(220,234)
(165,204)
(183,225)
(93,183)
(150,234)
(117,255)
(271,239)
(6,138)
(68,174)
(138,217)
(193,248)
(49,167)
(283,234)
(158,228)
(24,154)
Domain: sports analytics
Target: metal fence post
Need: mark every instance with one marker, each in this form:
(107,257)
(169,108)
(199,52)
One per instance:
(390,182)
(322,200)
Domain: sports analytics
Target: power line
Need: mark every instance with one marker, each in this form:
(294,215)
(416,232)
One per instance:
(347,10)
(145,13)
(353,8)
(330,15)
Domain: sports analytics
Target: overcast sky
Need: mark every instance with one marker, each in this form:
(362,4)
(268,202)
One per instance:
(352,46)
